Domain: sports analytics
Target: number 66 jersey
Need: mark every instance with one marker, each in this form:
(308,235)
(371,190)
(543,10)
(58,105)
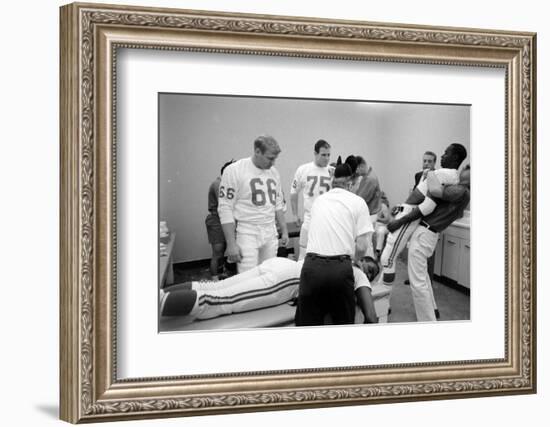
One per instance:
(249,194)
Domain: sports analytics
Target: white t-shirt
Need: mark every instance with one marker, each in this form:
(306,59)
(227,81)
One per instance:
(360,279)
(338,217)
(312,181)
(249,194)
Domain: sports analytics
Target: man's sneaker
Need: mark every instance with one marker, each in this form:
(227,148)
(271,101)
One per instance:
(388,278)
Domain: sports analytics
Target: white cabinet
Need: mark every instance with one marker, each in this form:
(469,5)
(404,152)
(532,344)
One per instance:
(452,255)
(438,254)
(464,264)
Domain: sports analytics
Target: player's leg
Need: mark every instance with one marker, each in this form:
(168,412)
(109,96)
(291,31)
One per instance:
(249,246)
(216,239)
(395,243)
(430,282)
(208,300)
(380,233)
(216,262)
(388,266)
(251,294)
(370,248)
(303,236)
(422,245)
(178,302)
(303,242)
(404,236)
(309,307)
(223,284)
(279,284)
(269,244)
(341,294)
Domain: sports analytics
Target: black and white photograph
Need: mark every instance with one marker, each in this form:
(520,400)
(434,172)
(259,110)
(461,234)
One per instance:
(294,212)
(263,210)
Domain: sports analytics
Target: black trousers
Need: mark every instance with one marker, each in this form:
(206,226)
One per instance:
(326,287)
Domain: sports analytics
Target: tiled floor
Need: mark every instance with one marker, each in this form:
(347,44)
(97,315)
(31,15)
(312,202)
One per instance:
(452,304)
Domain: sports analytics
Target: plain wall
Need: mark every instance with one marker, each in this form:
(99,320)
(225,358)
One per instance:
(199,133)
(409,131)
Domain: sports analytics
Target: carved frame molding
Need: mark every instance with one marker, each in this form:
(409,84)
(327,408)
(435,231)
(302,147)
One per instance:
(90,36)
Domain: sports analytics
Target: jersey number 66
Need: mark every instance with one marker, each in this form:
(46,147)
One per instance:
(259,191)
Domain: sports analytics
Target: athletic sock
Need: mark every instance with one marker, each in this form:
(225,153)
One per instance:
(179,302)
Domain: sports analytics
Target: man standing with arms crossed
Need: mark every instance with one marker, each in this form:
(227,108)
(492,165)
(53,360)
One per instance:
(428,164)
(339,231)
(250,201)
(311,179)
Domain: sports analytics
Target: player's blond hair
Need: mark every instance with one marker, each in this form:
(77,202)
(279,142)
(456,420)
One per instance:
(264,142)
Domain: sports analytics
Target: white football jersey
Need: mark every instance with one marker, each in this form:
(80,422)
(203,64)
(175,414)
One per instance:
(445,176)
(313,181)
(249,194)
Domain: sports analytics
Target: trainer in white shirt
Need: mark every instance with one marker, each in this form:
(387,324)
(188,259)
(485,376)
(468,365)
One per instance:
(339,231)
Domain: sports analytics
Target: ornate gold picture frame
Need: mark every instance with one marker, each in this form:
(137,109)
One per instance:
(90,387)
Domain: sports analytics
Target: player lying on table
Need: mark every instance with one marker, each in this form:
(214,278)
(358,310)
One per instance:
(273,282)
(422,197)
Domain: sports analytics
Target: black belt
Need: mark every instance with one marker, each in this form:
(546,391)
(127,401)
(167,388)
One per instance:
(428,226)
(329,258)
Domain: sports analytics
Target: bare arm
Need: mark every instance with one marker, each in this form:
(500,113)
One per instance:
(452,193)
(234,253)
(411,216)
(294,207)
(434,186)
(280,216)
(366,304)
(226,203)
(362,244)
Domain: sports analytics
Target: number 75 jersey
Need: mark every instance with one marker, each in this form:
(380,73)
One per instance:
(249,194)
(313,181)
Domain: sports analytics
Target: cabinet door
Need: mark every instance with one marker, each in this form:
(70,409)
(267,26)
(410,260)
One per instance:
(464,266)
(438,255)
(451,252)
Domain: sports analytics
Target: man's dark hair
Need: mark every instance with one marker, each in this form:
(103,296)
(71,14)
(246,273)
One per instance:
(352,162)
(360,160)
(225,165)
(371,259)
(321,144)
(459,152)
(431,153)
(342,171)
